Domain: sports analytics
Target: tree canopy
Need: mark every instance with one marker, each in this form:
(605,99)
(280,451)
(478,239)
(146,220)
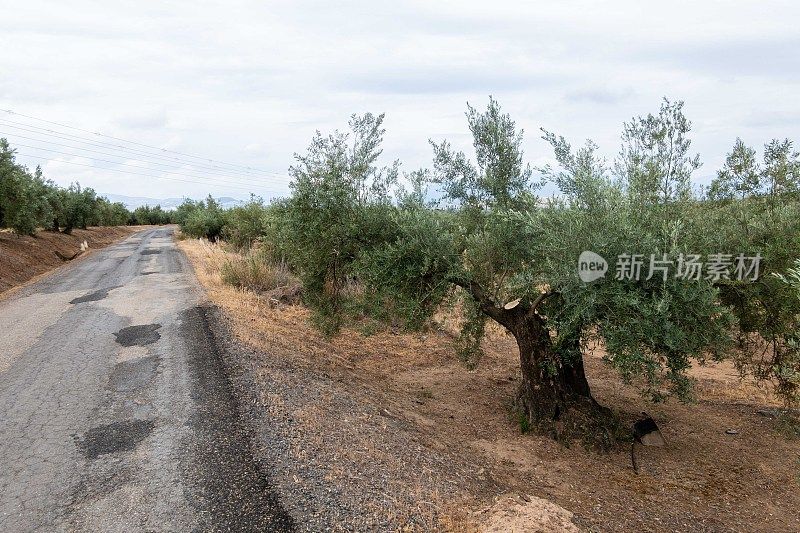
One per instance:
(473,228)
(29,201)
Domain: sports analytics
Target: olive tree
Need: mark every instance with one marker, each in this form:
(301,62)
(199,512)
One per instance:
(23,194)
(203,219)
(79,207)
(340,199)
(739,177)
(246,224)
(781,174)
(764,220)
(513,257)
(474,228)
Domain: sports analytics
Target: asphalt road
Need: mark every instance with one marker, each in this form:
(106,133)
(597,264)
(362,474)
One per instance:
(115,410)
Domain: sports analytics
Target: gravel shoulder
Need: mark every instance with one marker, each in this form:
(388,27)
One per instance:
(232,490)
(338,459)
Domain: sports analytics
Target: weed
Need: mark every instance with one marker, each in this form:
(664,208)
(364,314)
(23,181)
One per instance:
(788,425)
(524,423)
(251,271)
(369,328)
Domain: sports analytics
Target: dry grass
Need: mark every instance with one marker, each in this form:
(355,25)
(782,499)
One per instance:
(252,271)
(705,479)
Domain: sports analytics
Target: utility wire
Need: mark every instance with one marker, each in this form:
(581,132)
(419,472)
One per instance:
(169,169)
(249,189)
(74,138)
(131,142)
(207,180)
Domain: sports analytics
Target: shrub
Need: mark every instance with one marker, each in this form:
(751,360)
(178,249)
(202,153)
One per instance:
(205,224)
(206,220)
(147,215)
(246,224)
(183,211)
(254,271)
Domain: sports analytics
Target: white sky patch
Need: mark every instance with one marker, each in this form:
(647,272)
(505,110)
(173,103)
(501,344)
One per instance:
(250,82)
(137,163)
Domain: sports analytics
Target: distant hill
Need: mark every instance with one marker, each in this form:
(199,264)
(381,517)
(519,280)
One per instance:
(132,202)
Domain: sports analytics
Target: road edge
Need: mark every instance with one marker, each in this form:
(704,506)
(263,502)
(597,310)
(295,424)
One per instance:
(4,295)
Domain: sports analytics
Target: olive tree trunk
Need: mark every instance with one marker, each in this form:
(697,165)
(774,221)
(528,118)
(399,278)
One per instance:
(554,393)
(551,388)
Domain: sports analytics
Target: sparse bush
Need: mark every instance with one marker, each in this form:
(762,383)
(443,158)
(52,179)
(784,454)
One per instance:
(253,271)
(206,220)
(788,424)
(246,224)
(146,215)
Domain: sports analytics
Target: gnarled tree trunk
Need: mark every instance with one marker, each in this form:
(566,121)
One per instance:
(554,393)
(548,385)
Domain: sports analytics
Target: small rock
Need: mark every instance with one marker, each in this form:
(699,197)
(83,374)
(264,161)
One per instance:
(732,431)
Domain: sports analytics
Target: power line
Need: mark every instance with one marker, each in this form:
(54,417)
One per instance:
(209,180)
(249,189)
(133,142)
(169,170)
(100,144)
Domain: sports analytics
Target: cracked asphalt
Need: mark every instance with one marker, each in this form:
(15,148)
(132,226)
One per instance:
(116,413)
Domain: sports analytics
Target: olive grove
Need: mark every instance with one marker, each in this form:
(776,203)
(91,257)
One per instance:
(500,241)
(477,228)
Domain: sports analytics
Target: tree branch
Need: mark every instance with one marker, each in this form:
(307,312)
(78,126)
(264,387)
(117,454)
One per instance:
(542,297)
(479,295)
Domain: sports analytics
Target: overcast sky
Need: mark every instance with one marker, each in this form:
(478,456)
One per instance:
(249,82)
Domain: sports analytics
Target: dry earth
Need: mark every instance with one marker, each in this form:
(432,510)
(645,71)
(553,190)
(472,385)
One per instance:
(476,471)
(24,258)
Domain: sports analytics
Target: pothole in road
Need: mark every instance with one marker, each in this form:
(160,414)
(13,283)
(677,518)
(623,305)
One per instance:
(131,353)
(150,251)
(122,436)
(95,296)
(133,375)
(138,335)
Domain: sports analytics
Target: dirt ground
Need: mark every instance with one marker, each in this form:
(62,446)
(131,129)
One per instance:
(24,258)
(727,465)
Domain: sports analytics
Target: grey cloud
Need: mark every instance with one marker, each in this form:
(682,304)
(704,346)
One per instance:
(269,73)
(596,95)
(772,119)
